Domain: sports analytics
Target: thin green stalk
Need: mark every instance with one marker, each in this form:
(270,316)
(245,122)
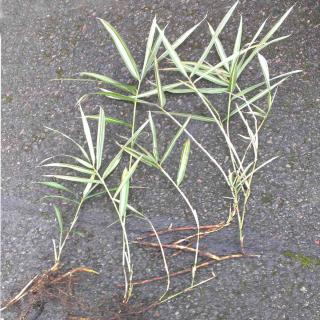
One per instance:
(74,221)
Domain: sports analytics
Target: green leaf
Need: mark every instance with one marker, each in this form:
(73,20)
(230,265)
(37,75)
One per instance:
(123,49)
(55,185)
(265,69)
(100,138)
(124,193)
(87,190)
(127,177)
(59,218)
(115,95)
(112,165)
(236,54)
(214,38)
(68,166)
(173,54)
(107,80)
(55,196)
(153,53)
(143,158)
(174,140)
(264,40)
(161,96)
(255,98)
(154,138)
(183,161)
(72,178)
(87,133)
(110,120)
(181,39)
(149,46)
(219,48)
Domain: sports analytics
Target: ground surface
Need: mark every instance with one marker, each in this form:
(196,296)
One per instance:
(48,39)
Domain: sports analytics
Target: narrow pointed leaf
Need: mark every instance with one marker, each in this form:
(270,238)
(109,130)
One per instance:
(127,177)
(173,54)
(87,133)
(100,138)
(72,178)
(124,194)
(55,196)
(59,218)
(154,137)
(110,120)
(183,161)
(161,96)
(174,140)
(143,158)
(181,39)
(55,185)
(264,40)
(69,166)
(149,46)
(112,165)
(214,38)
(107,80)
(115,95)
(265,69)
(123,49)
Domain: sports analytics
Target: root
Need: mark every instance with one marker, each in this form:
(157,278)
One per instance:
(51,284)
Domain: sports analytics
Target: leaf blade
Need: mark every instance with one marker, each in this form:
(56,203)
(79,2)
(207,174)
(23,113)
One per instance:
(183,161)
(123,49)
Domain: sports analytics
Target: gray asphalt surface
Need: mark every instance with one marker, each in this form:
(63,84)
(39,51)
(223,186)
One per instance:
(43,40)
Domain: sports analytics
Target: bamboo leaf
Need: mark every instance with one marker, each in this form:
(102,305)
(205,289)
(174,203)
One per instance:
(161,96)
(265,69)
(100,138)
(122,48)
(112,165)
(127,177)
(124,193)
(99,77)
(110,120)
(86,191)
(55,196)
(154,138)
(173,54)
(214,38)
(115,95)
(149,46)
(87,133)
(174,140)
(72,178)
(55,185)
(59,218)
(264,40)
(181,39)
(143,158)
(69,166)
(183,161)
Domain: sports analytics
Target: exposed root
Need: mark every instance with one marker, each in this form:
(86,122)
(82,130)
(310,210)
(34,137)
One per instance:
(51,284)
(211,228)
